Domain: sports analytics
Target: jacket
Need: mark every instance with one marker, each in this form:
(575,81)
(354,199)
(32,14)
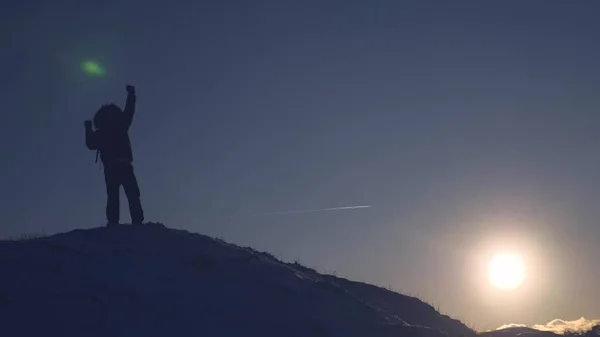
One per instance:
(112,140)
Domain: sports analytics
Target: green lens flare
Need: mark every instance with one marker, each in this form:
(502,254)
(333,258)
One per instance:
(92,68)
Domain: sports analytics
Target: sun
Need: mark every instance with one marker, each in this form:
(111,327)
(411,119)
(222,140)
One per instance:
(506,271)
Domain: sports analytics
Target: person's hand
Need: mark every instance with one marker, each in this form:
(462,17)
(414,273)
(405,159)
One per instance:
(87,124)
(130,89)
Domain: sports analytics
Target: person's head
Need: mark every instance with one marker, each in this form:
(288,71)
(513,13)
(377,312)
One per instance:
(107,116)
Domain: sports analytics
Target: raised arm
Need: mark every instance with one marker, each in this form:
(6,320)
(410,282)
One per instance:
(90,137)
(129,110)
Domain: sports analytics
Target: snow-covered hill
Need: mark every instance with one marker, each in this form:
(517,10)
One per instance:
(153,281)
(518,332)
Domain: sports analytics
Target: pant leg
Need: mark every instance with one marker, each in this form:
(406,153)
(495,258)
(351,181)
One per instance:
(132,190)
(111,177)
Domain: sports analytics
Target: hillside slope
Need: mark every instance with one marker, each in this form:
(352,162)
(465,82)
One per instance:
(153,281)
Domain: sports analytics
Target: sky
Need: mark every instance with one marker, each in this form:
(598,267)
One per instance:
(469,127)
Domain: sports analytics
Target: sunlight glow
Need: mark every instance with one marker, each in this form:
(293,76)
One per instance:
(506,271)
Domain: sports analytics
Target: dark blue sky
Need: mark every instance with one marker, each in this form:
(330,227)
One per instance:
(469,126)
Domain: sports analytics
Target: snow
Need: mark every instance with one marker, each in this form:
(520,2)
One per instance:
(153,281)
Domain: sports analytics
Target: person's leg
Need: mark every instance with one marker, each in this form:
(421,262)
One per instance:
(111,177)
(132,190)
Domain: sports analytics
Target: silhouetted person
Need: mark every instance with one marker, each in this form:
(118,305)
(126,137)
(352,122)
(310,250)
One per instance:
(111,140)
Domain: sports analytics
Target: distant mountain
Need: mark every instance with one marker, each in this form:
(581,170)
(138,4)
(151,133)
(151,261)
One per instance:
(577,328)
(519,332)
(153,281)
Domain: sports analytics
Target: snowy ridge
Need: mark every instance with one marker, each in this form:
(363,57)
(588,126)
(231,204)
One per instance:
(153,281)
(519,332)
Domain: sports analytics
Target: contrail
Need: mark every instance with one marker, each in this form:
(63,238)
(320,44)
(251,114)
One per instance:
(313,210)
